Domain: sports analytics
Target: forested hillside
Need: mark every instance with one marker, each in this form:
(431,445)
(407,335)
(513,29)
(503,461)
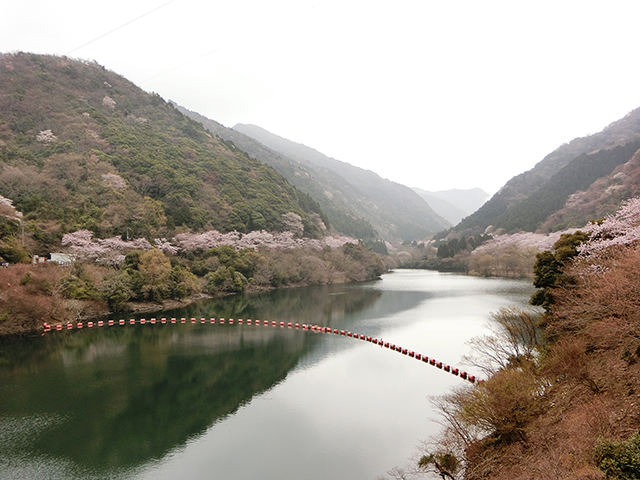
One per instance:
(531,200)
(83,148)
(138,204)
(394,210)
(332,192)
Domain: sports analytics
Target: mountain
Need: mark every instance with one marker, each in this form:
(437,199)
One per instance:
(357,202)
(84,148)
(454,204)
(560,191)
(394,210)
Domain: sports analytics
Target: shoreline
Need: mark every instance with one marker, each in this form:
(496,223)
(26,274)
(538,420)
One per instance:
(21,330)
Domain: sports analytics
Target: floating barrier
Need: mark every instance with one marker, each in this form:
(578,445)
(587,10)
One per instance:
(314,328)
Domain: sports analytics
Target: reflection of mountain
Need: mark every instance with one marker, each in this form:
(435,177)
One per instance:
(124,396)
(129,395)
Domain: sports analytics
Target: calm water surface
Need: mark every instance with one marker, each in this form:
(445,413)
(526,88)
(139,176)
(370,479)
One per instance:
(245,401)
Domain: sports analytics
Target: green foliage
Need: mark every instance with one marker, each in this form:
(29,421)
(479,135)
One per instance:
(453,246)
(371,262)
(77,285)
(116,290)
(446,464)
(26,280)
(184,283)
(549,264)
(377,246)
(173,172)
(225,279)
(619,460)
(13,251)
(155,270)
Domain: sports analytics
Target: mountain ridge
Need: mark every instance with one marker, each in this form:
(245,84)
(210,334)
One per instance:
(397,204)
(82,147)
(523,194)
(454,204)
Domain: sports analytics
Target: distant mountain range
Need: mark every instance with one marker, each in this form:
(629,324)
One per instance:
(83,148)
(582,180)
(357,202)
(455,204)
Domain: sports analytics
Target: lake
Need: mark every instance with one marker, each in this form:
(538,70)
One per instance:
(202,401)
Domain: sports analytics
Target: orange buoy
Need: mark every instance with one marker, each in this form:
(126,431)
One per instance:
(111,323)
(153,321)
(231,321)
(193,320)
(368,339)
(257,322)
(59,326)
(183,320)
(282,324)
(454,371)
(446,368)
(100,323)
(79,325)
(297,325)
(274,323)
(439,365)
(432,362)
(203,320)
(142,321)
(472,378)
(411,353)
(163,320)
(121,321)
(425,359)
(343,332)
(173,320)
(221,320)
(249,322)
(463,375)
(290,325)
(89,324)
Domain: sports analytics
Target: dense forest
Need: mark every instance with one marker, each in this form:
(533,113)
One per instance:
(83,148)
(552,196)
(146,203)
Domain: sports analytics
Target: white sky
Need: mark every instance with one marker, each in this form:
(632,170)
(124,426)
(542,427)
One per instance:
(435,95)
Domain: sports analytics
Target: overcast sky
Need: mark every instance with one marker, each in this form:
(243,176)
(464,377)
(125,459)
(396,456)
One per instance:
(435,95)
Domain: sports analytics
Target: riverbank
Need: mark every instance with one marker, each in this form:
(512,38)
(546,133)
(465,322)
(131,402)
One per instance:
(32,297)
(566,407)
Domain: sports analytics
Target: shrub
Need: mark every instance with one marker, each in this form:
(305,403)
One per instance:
(620,460)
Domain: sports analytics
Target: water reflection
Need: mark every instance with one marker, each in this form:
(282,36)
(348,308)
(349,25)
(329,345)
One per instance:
(118,397)
(150,401)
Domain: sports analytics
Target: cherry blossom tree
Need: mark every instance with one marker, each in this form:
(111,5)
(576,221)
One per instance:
(622,229)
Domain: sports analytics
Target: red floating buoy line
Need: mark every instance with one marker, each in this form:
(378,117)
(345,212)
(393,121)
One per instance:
(299,326)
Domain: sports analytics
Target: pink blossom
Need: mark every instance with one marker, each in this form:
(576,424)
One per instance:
(622,229)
